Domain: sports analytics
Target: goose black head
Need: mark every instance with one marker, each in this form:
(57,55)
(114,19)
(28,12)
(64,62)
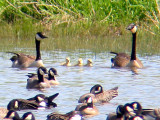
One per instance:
(120,111)
(96,89)
(28,116)
(52,71)
(40,36)
(42,71)
(12,115)
(137,107)
(132,27)
(13,105)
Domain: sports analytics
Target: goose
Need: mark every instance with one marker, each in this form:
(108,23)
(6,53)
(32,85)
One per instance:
(3,112)
(89,63)
(87,108)
(51,76)
(80,62)
(99,95)
(21,60)
(22,104)
(123,59)
(48,100)
(15,116)
(41,83)
(67,63)
(118,115)
(73,115)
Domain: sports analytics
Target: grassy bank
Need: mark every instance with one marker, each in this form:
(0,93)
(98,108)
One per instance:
(80,24)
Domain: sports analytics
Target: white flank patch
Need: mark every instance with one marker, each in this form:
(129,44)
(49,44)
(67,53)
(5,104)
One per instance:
(76,117)
(43,104)
(138,118)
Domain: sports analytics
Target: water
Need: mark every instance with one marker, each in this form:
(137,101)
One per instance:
(76,81)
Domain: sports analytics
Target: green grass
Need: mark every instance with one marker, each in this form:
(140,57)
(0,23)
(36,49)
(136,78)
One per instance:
(80,24)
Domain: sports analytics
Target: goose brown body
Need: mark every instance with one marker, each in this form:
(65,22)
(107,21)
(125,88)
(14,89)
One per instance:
(41,82)
(24,61)
(87,108)
(124,60)
(99,95)
(67,116)
(3,112)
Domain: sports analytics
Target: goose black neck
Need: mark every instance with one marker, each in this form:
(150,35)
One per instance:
(38,54)
(90,105)
(51,77)
(40,78)
(133,54)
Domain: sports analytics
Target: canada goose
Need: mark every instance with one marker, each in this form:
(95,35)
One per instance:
(118,115)
(148,114)
(3,112)
(24,61)
(124,60)
(89,63)
(80,62)
(87,108)
(48,100)
(99,95)
(41,83)
(15,116)
(67,63)
(51,76)
(22,104)
(73,115)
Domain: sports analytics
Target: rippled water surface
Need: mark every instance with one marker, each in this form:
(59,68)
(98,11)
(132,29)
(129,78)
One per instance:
(76,81)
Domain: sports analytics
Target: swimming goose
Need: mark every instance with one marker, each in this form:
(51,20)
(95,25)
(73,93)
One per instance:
(99,95)
(89,63)
(15,116)
(24,61)
(80,62)
(48,100)
(67,63)
(3,112)
(41,82)
(73,115)
(118,115)
(124,60)
(51,76)
(22,104)
(87,108)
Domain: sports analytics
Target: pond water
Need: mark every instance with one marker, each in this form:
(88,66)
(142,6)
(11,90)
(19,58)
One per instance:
(76,81)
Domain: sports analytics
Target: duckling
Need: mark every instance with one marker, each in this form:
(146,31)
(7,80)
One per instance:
(80,62)
(87,108)
(48,100)
(99,95)
(24,61)
(73,115)
(67,63)
(89,63)
(15,116)
(124,60)
(3,112)
(51,76)
(41,83)
(22,104)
